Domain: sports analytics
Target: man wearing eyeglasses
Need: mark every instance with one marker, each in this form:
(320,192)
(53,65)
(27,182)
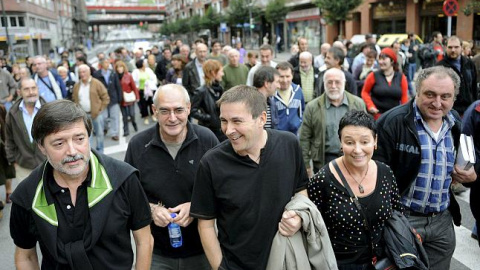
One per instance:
(167,156)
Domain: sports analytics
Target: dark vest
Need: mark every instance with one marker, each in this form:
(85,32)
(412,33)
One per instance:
(385,96)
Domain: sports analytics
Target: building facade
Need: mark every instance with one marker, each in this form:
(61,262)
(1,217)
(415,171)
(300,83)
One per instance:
(38,26)
(419,16)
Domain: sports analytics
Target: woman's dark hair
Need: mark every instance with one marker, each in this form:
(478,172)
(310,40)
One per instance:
(56,116)
(139,64)
(358,119)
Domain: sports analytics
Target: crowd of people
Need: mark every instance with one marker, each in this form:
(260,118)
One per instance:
(245,153)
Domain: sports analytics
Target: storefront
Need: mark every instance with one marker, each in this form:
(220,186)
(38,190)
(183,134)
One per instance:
(305,23)
(433,19)
(389,17)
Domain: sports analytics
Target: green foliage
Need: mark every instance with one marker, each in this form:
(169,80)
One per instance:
(210,20)
(195,23)
(276,11)
(471,7)
(165,30)
(238,11)
(333,11)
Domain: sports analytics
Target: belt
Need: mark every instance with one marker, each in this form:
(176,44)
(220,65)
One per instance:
(417,214)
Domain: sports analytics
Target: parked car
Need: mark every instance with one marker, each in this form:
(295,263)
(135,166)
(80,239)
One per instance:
(388,39)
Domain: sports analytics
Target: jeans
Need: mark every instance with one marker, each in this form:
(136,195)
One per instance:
(438,238)
(126,112)
(198,262)
(98,130)
(412,68)
(111,116)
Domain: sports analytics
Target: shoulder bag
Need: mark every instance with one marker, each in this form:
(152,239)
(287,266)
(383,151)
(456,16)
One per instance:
(384,263)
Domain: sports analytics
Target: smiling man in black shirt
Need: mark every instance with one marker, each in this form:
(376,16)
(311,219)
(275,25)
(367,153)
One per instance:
(244,184)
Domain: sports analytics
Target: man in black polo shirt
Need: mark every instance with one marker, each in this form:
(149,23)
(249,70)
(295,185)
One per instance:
(79,205)
(168,155)
(244,184)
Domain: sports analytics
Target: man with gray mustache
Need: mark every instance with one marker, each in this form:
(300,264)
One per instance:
(20,147)
(79,205)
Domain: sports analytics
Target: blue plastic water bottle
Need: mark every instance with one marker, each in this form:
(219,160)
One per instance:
(175,233)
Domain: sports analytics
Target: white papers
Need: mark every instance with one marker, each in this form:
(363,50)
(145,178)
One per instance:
(466,152)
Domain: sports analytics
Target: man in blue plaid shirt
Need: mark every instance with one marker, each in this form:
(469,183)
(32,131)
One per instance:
(418,140)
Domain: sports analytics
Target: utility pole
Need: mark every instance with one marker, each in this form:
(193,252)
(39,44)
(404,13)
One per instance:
(250,23)
(9,43)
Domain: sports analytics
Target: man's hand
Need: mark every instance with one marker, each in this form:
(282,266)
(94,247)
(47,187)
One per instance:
(160,215)
(183,214)
(290,223)
(464,176)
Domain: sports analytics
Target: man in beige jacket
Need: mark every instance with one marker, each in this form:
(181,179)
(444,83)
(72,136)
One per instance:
(93,97)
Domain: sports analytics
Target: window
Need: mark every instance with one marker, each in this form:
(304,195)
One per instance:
(4,21)
(13,21)
(31,22)
(21,21)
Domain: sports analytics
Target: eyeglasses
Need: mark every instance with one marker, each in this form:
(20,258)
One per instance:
(176,111)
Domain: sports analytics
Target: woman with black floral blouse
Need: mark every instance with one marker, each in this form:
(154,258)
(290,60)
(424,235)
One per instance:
(372,182)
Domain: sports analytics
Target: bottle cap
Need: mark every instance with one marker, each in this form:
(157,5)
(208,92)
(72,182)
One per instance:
(173,215)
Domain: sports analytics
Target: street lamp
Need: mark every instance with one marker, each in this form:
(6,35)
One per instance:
(250,22)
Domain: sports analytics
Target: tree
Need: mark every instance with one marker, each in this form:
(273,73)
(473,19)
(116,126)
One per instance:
(471,7)
(195,23)
(337,11)
(239,11)
(275,11)
(210,20)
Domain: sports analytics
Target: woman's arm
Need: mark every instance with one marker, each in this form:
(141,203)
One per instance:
(366,92)
(404,87)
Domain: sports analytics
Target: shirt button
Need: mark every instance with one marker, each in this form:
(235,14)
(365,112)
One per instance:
(69,206)
(63,190)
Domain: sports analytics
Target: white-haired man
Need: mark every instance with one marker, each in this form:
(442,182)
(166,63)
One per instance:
(307,76)
(321,118)
(234,73)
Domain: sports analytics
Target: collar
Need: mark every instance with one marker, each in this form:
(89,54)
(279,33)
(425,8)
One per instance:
(22,105)
(197,63)
(99,187)
(449,118)
(310,71)
(88,82)
(344,102)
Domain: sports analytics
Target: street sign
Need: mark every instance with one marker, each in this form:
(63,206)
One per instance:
(450,7)
(223,27)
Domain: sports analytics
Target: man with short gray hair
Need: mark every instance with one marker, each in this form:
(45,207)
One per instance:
(418,141)
(234,73)
(50,85)
(318,133)
(167,156)
(307,76)
(92,96)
